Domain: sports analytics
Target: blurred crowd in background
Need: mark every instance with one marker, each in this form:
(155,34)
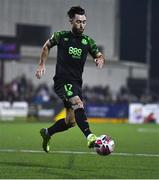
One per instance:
(22,89)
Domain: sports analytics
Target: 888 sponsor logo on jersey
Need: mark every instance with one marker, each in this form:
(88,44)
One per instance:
(75,52)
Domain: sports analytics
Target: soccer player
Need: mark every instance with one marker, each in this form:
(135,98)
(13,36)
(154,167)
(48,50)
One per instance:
(72,49)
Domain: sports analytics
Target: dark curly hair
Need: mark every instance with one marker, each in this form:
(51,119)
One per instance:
(75,10)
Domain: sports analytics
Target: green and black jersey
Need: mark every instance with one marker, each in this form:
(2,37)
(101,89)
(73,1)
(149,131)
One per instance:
(72,51)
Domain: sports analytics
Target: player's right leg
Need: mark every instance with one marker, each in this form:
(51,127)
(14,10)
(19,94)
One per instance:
(62,124)
(58,126)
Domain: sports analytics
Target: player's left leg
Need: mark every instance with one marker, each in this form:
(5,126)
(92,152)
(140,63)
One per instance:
(81,119)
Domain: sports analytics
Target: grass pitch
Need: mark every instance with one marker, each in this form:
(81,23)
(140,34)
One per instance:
(136,154)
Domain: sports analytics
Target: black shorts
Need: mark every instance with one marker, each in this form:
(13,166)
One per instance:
(67,89)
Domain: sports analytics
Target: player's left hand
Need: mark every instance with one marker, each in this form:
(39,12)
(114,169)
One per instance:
(99,61)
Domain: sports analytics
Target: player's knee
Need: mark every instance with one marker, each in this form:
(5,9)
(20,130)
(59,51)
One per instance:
(78,106)
(76,103)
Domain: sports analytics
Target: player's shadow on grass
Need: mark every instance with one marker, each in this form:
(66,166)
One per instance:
(24,164)
(57,171)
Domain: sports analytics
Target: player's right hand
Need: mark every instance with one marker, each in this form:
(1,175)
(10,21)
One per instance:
(40,71)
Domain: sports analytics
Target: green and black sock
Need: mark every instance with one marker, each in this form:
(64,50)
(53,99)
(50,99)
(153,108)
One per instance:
(81,120)
(59,126)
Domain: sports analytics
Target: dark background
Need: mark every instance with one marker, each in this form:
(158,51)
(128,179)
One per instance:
(133,34)
(133,14)
(32,35)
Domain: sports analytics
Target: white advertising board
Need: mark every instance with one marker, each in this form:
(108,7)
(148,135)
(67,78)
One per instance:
(9,111)
(139,112)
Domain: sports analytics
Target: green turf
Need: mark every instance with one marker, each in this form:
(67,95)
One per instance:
(25,136)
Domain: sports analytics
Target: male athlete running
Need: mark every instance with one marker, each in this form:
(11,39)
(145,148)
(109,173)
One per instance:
(72,49)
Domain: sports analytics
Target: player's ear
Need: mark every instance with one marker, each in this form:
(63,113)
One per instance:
(71,21)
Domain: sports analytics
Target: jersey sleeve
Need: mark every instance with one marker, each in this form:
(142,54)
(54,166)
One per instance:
(93,49)
(54,40)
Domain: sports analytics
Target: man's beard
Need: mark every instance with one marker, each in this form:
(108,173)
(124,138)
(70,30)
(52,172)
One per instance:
(77,31)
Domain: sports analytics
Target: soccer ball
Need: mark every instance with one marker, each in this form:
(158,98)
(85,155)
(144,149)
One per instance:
(104,145)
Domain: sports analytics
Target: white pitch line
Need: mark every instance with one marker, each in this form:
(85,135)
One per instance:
(150,130)
(74,152)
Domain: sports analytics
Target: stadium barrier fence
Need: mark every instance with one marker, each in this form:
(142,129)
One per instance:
(113,113)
